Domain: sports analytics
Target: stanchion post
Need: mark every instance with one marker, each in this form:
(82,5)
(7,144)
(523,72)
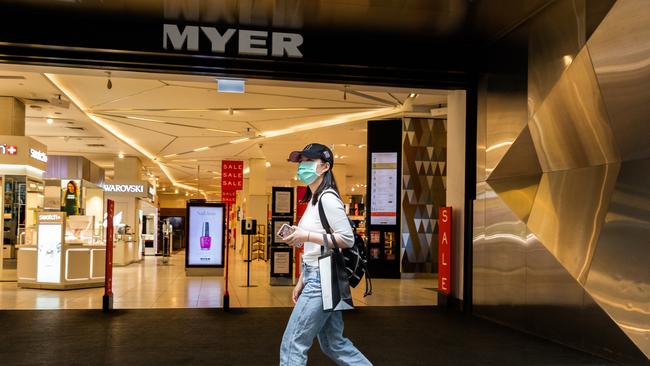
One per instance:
(107,299)
(226,295)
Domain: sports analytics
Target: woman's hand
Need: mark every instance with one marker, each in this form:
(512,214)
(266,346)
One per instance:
(297,238)
(297,290)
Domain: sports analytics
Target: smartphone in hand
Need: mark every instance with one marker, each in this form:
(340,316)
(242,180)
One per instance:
(285,231)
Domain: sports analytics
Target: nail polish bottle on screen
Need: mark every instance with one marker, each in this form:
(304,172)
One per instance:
(205,240)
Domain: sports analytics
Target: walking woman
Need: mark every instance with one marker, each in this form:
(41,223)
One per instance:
(308,320)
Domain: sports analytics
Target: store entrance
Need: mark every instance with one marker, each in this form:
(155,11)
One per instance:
(183,129)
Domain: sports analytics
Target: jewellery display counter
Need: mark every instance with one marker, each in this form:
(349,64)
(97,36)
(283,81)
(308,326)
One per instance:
(61,253)
(125,250)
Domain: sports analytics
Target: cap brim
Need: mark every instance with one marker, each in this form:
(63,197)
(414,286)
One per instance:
(295,156)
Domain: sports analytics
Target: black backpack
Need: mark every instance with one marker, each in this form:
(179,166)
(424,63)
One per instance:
(356,259)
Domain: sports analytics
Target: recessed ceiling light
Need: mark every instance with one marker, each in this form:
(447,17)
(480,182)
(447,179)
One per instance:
(169,156)
(202,148)
(49,121)
(413,95)
(164,189)
(120,155)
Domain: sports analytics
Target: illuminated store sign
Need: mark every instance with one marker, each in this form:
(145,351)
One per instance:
(249,42)
(8,149)
(152,190)
(124,188)
(38,155)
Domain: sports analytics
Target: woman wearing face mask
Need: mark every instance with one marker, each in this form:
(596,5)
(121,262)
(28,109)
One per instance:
(308,320)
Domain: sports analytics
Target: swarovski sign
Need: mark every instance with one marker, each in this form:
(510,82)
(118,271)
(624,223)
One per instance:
(124,188)
(249,42)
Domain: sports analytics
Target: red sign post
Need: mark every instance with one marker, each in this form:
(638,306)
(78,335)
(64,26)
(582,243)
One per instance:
(232,180)
(444,250)
(107,300)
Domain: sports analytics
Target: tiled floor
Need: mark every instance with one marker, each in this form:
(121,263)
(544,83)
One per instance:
(152,284)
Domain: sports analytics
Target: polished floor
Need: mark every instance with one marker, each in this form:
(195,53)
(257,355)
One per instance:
(400,336)
(152,284)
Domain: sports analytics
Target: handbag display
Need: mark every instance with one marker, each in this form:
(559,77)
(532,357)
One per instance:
(335,288)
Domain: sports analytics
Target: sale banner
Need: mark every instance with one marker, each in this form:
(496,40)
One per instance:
(228,196)
(444,250)
(232,175)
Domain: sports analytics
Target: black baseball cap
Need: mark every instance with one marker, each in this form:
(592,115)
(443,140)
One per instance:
(313,151)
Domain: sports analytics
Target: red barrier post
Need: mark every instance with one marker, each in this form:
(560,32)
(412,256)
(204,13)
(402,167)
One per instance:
(107,299)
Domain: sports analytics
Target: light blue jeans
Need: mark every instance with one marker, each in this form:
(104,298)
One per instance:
(308,320)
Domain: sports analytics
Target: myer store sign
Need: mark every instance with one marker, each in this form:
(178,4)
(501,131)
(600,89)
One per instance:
(135,189)
(22,150)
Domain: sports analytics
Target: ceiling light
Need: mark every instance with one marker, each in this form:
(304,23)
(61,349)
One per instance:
(358,185)
(362,146)
(187,194)
(336,156)
(164,189)
(412,95)
(342,157)
(230,86)
(268,164)
(247,170)
(567,59)
(120,155)
(170,155)
(144,119)
(222,131)
(284,109)
(176,191)
(49,121)
(295,178)
(352,189)
(239,140)
(202,148)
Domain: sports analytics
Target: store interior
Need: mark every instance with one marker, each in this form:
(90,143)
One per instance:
(171,134)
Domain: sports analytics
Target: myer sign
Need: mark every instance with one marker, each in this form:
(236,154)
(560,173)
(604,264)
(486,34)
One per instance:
(249,42)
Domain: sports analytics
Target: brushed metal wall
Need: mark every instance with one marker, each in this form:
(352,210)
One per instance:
(562,215)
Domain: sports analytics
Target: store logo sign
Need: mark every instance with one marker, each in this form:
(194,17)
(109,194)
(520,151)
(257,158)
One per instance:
(124,188)
(50,217)
(38,155)
(152,190)
(249,42)
(8,149)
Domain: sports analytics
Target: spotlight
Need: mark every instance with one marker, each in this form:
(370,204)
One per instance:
(120,155)
(49,121)
(109,84)
(412,95)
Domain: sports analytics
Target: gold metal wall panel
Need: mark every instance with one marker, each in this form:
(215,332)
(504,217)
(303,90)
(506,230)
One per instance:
(568,212)
(506,115)
(520,159)
(556,37)
(619,278)
(518,193)
(481,120)
(570,129)
(620,50)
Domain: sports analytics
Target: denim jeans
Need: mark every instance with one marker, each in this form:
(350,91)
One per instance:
(308,320)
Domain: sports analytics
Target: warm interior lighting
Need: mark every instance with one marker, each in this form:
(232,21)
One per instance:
(120,155)
(202,148)
(413,95)
(268,164)
(49,121)
(240,140)
(567,60)
(284,109)
(170,155)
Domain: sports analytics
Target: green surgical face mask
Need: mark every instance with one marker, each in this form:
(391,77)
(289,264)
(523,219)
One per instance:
(307,172)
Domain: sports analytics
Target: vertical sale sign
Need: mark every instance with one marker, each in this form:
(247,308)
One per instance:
(444,250)
(232,175)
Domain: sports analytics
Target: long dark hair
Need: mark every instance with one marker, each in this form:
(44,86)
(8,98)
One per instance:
(328,183)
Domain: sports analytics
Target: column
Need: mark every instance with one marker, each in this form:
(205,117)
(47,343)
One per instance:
(12,123)
(127,169)
(258,200)
(456,182)
(12,117)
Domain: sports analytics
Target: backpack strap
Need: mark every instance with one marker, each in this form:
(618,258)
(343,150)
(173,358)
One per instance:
(325,223)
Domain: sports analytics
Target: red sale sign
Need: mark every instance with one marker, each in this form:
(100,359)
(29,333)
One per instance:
(232,175)
(228,196)
(444,250)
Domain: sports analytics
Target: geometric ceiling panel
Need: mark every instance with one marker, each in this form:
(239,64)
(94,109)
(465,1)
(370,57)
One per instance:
(570,129)
(620,269)
(520,159)
(620,50)
(518,193)
(568,212)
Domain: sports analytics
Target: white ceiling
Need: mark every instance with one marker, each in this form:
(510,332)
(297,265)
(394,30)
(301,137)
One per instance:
(167,117)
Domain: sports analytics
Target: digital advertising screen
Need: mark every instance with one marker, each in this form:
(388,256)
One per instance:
(205,235)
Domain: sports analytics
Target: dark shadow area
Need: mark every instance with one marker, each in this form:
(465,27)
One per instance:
(387,335)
